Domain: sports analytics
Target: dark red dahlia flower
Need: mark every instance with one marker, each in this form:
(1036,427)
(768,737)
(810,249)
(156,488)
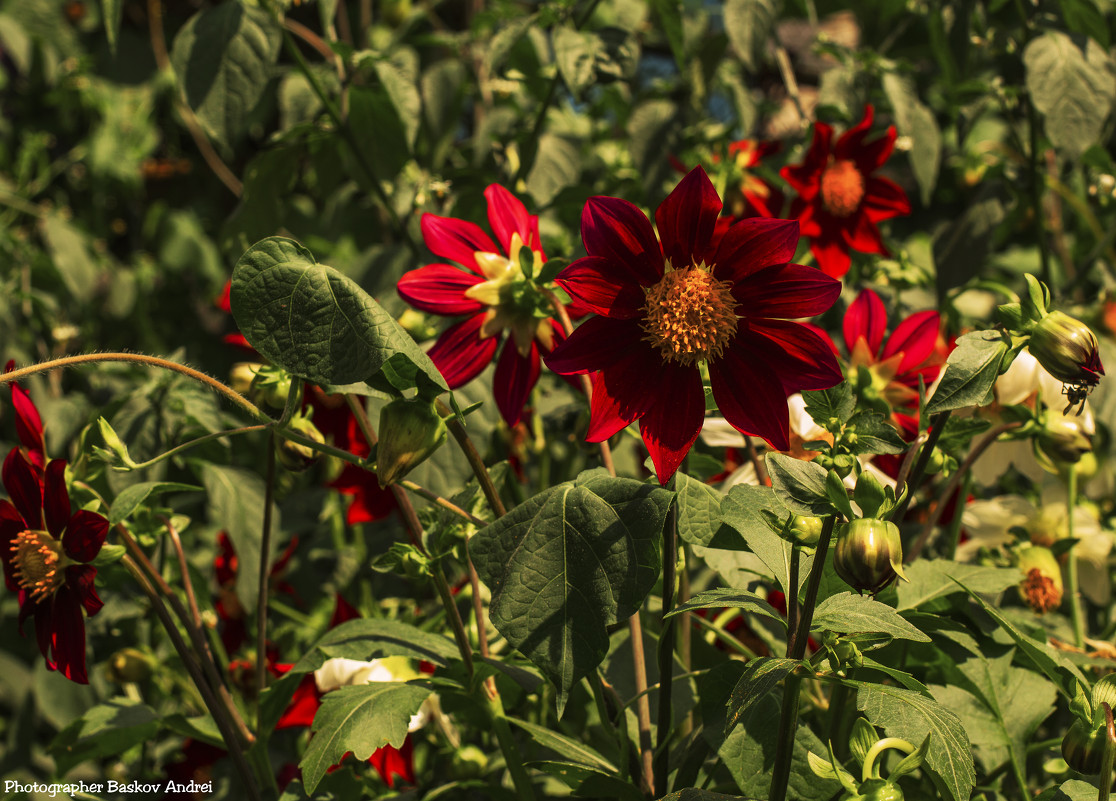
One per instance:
(752,196)
(494,294)
(840,201)
(46,552)
(666,310)
(29,425)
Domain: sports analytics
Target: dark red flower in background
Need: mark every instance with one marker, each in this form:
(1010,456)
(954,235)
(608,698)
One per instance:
(664,310)
(840,201)
(492,292)
(46,551)
(751,195)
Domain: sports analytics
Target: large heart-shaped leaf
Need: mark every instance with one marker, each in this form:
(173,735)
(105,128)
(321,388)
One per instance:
(319,324)
(568,563)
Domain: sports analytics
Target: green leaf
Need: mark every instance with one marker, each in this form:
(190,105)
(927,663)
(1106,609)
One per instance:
(862,738)
(699,509)
(694,794)
(359,719)
(130,498)
(912,716)
(961,247)
(914,120)
(749,25)
(589,782)
(564,746)
(1083,17)
(365,640)
(236,504)
(652,128)
(223,57)
(398,75)
(849,613)
(111,13)
(669,13)
(726,598)
(557,165)
(874,434)
(836,402)
(1073,84)
(1073,790)
(799,485)
(566,564)
(743,509)
(761,676)
(69,249)
(105,730)
(318,324)
(576,53)
(929,579)
(970,373)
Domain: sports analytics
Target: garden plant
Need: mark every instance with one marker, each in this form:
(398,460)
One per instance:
(614,399)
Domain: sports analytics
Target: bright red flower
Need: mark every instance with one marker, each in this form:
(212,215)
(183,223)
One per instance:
(664,310)
(840,201)
(757,197)
(494,294)
(46,551)
(29,425)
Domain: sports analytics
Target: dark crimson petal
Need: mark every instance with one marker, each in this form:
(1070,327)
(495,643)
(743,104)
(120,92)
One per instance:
(750,396)
(674,420)
(85,535)
(369,501)
(604,287)
(440,289)
(753,244)
(29,425)
(805,178)
(595,344)
(11,524)
(865,318)
(67,636)
(824,335)
(456,240)
(851,142)
(624,391)
(687,218)
(832,255)
(80,579)
(862,235)
(507,215)
(56,500)
(44,625)
(616,230)
(786,291)
(23,488)
(460,354)
(515,378)
(801,358)
(884,199)
(873,154)
(809,223)
(916,337)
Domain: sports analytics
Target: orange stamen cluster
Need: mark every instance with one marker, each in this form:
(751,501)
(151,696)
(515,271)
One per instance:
(1040,591)
(38,563)
(842,188)
(689,315)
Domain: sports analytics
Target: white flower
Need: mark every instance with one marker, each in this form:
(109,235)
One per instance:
(340,672)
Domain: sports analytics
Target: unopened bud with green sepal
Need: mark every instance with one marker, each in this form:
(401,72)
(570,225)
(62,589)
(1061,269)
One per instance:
(410,431)
(1062,441)
(1067,349)
(805,531)
(295,456)
(1083,748)
(869,554)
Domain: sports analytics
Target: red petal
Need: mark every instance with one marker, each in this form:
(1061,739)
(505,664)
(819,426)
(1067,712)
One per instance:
(29,425)
(390,762)
(809,224)
(460,354)
(515,378)
(44,624)
(369,502)
(851,142)
(862,235)
(832,256)
(786,291)
(507,215)
(440,289)
(616,230)
(303,706)
(687,218)
(604,287)
(753,244)
(674,421)
(343,611)
(623,392)
(456,240)
(595,344)
(23,488)
(56,500)
(67,636)
(865,318)
(11,524)
(916,338)
(824,335)
(884,199)
(85,535)
(805,178)
(801,358)
(751,397)
(80,579)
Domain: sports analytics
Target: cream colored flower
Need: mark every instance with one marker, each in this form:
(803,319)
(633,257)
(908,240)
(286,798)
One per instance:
(340,672)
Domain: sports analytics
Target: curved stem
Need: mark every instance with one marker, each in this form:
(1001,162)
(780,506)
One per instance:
(185,446)
(473,457)
(869,770)
(1077,613)
(438,500)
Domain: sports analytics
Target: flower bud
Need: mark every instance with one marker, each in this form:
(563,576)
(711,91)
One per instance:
(242,375)
(1067,349)
(128,665)
(869,554)
(295,456)
(878,790)
(1041,587)
(410,430)
(1083,748)
(806,530)
(1062,442)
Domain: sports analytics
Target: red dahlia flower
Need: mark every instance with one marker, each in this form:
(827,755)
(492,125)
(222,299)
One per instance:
(46,552)
(665,310)
(840,201)
(29,425)
(495,294)
(756,197)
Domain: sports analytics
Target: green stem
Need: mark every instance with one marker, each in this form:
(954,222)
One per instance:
(523,787)
(793,580)
(869,771)
(937,424)
(1020,774)
(955,524)
(643,705)
(454,615)
(438,500)
(1109,754)
(1076,610)
(265,573)
(666,649)
(473,457)
(185,446)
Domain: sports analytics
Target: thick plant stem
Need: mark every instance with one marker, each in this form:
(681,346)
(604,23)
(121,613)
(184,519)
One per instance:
(454,616)
(473,457)
(1077,613)
(666,650)
(796,649)
(937,425)
(643,705)
(1109,754)
(265,571)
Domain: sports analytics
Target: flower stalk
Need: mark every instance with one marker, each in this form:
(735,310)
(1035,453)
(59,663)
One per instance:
(1074,595)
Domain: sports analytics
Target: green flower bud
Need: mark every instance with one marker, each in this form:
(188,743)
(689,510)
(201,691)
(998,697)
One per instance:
(410,430)
(1041,587)
(128,665)
(806,530)
(879,790)
(1067,349)
(1083,748)
(469,762)
(242,375)
(869,554)
(1061,442)
(295,456)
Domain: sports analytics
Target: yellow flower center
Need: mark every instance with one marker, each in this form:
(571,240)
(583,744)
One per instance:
(689,315)
(39,562)
(842,188)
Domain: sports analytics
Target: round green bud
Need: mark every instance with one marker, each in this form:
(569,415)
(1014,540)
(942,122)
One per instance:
(1067,349)
(806,530)
(295,456)
(410,430)
(865,553)
(1083,748)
